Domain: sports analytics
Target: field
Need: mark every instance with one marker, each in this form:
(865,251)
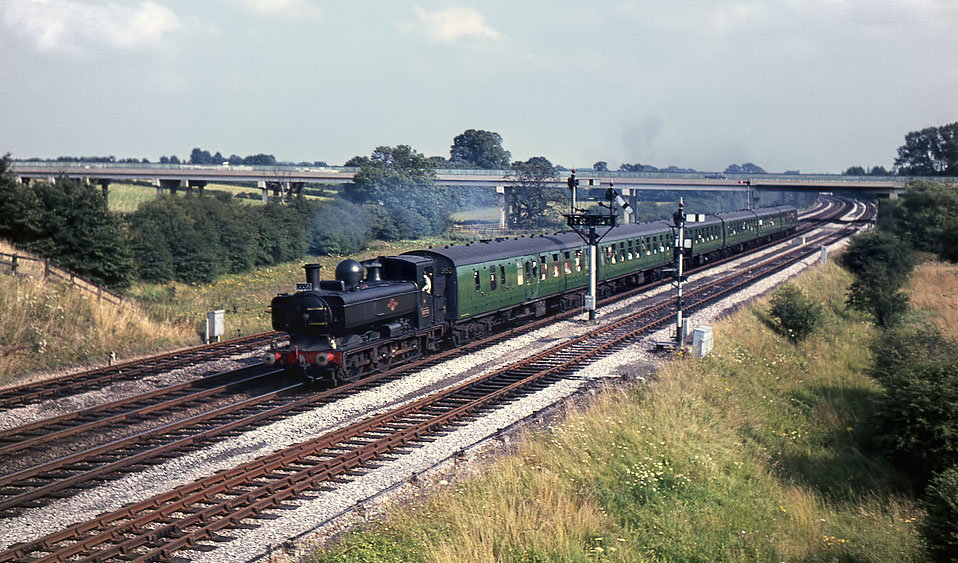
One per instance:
(125,198)
(756,453)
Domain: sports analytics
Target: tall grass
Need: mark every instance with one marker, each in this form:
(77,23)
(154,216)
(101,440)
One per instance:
(934,288)
(755,453)
(49,324)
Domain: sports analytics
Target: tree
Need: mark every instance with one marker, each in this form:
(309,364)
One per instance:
(746,168)
(854,171)
(479,149)
(637,167)
(533,190)
(69,223)
(601,166)
(260,160)
(403,181)
(933,151)
(198,156)
(924,216)
(881,264)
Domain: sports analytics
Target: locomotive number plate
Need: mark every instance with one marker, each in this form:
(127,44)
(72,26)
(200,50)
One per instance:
(304,286)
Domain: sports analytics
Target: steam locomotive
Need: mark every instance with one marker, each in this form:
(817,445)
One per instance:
(392,309)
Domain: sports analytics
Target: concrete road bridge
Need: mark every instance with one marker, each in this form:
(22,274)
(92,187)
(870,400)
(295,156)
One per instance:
(288,181)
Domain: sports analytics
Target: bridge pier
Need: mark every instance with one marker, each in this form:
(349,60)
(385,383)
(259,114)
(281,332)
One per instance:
(503,209)
(163,183)
(104,184)
(198,184)
(296,189)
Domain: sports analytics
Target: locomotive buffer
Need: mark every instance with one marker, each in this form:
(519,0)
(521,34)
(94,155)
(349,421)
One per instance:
(585,223)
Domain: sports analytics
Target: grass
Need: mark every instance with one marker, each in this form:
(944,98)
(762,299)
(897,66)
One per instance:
(756,453)
(934,289)
(126,198)
(481,215)
(48,324)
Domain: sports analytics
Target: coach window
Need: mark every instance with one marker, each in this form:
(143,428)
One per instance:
(545,267)
(492,277)
(519,278)
(568,263)
(502,275)
(535,270)
(578,260)
(475,273)
(530,271)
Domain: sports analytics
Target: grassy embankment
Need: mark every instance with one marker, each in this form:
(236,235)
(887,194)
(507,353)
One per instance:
(47,325)
(755,453)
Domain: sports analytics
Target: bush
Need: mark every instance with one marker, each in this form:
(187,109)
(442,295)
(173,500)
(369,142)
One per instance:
(918,416)
(69,223)
(196,239)
(793,314)
(881,264)
(940,525)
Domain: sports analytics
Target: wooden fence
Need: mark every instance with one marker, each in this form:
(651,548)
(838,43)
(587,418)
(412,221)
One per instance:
(43,268)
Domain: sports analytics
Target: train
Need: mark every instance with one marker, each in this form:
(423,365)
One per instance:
(390,310)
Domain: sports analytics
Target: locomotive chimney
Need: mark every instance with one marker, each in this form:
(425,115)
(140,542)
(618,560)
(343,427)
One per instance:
(312,274)
(373,271)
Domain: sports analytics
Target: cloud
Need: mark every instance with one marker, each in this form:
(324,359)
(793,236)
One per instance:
(77,27)
(299,9)
(450,24)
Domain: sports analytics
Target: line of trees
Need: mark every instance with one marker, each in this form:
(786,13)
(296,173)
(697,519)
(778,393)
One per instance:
(916,417)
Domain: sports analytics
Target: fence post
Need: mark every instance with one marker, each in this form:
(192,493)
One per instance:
(99,293)
(46,268)
(13,264)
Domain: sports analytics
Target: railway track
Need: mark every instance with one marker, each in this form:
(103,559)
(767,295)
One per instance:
(193,516)
(31,393)
(40,482)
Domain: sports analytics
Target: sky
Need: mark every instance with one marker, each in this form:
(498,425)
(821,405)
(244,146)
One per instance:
(810,85)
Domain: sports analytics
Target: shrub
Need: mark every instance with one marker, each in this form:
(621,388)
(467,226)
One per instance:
(793,314)
(940,525)
(918,416)
(881,264)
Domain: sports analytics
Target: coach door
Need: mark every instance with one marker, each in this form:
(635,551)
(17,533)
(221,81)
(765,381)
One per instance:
(431,289)
(532,269)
